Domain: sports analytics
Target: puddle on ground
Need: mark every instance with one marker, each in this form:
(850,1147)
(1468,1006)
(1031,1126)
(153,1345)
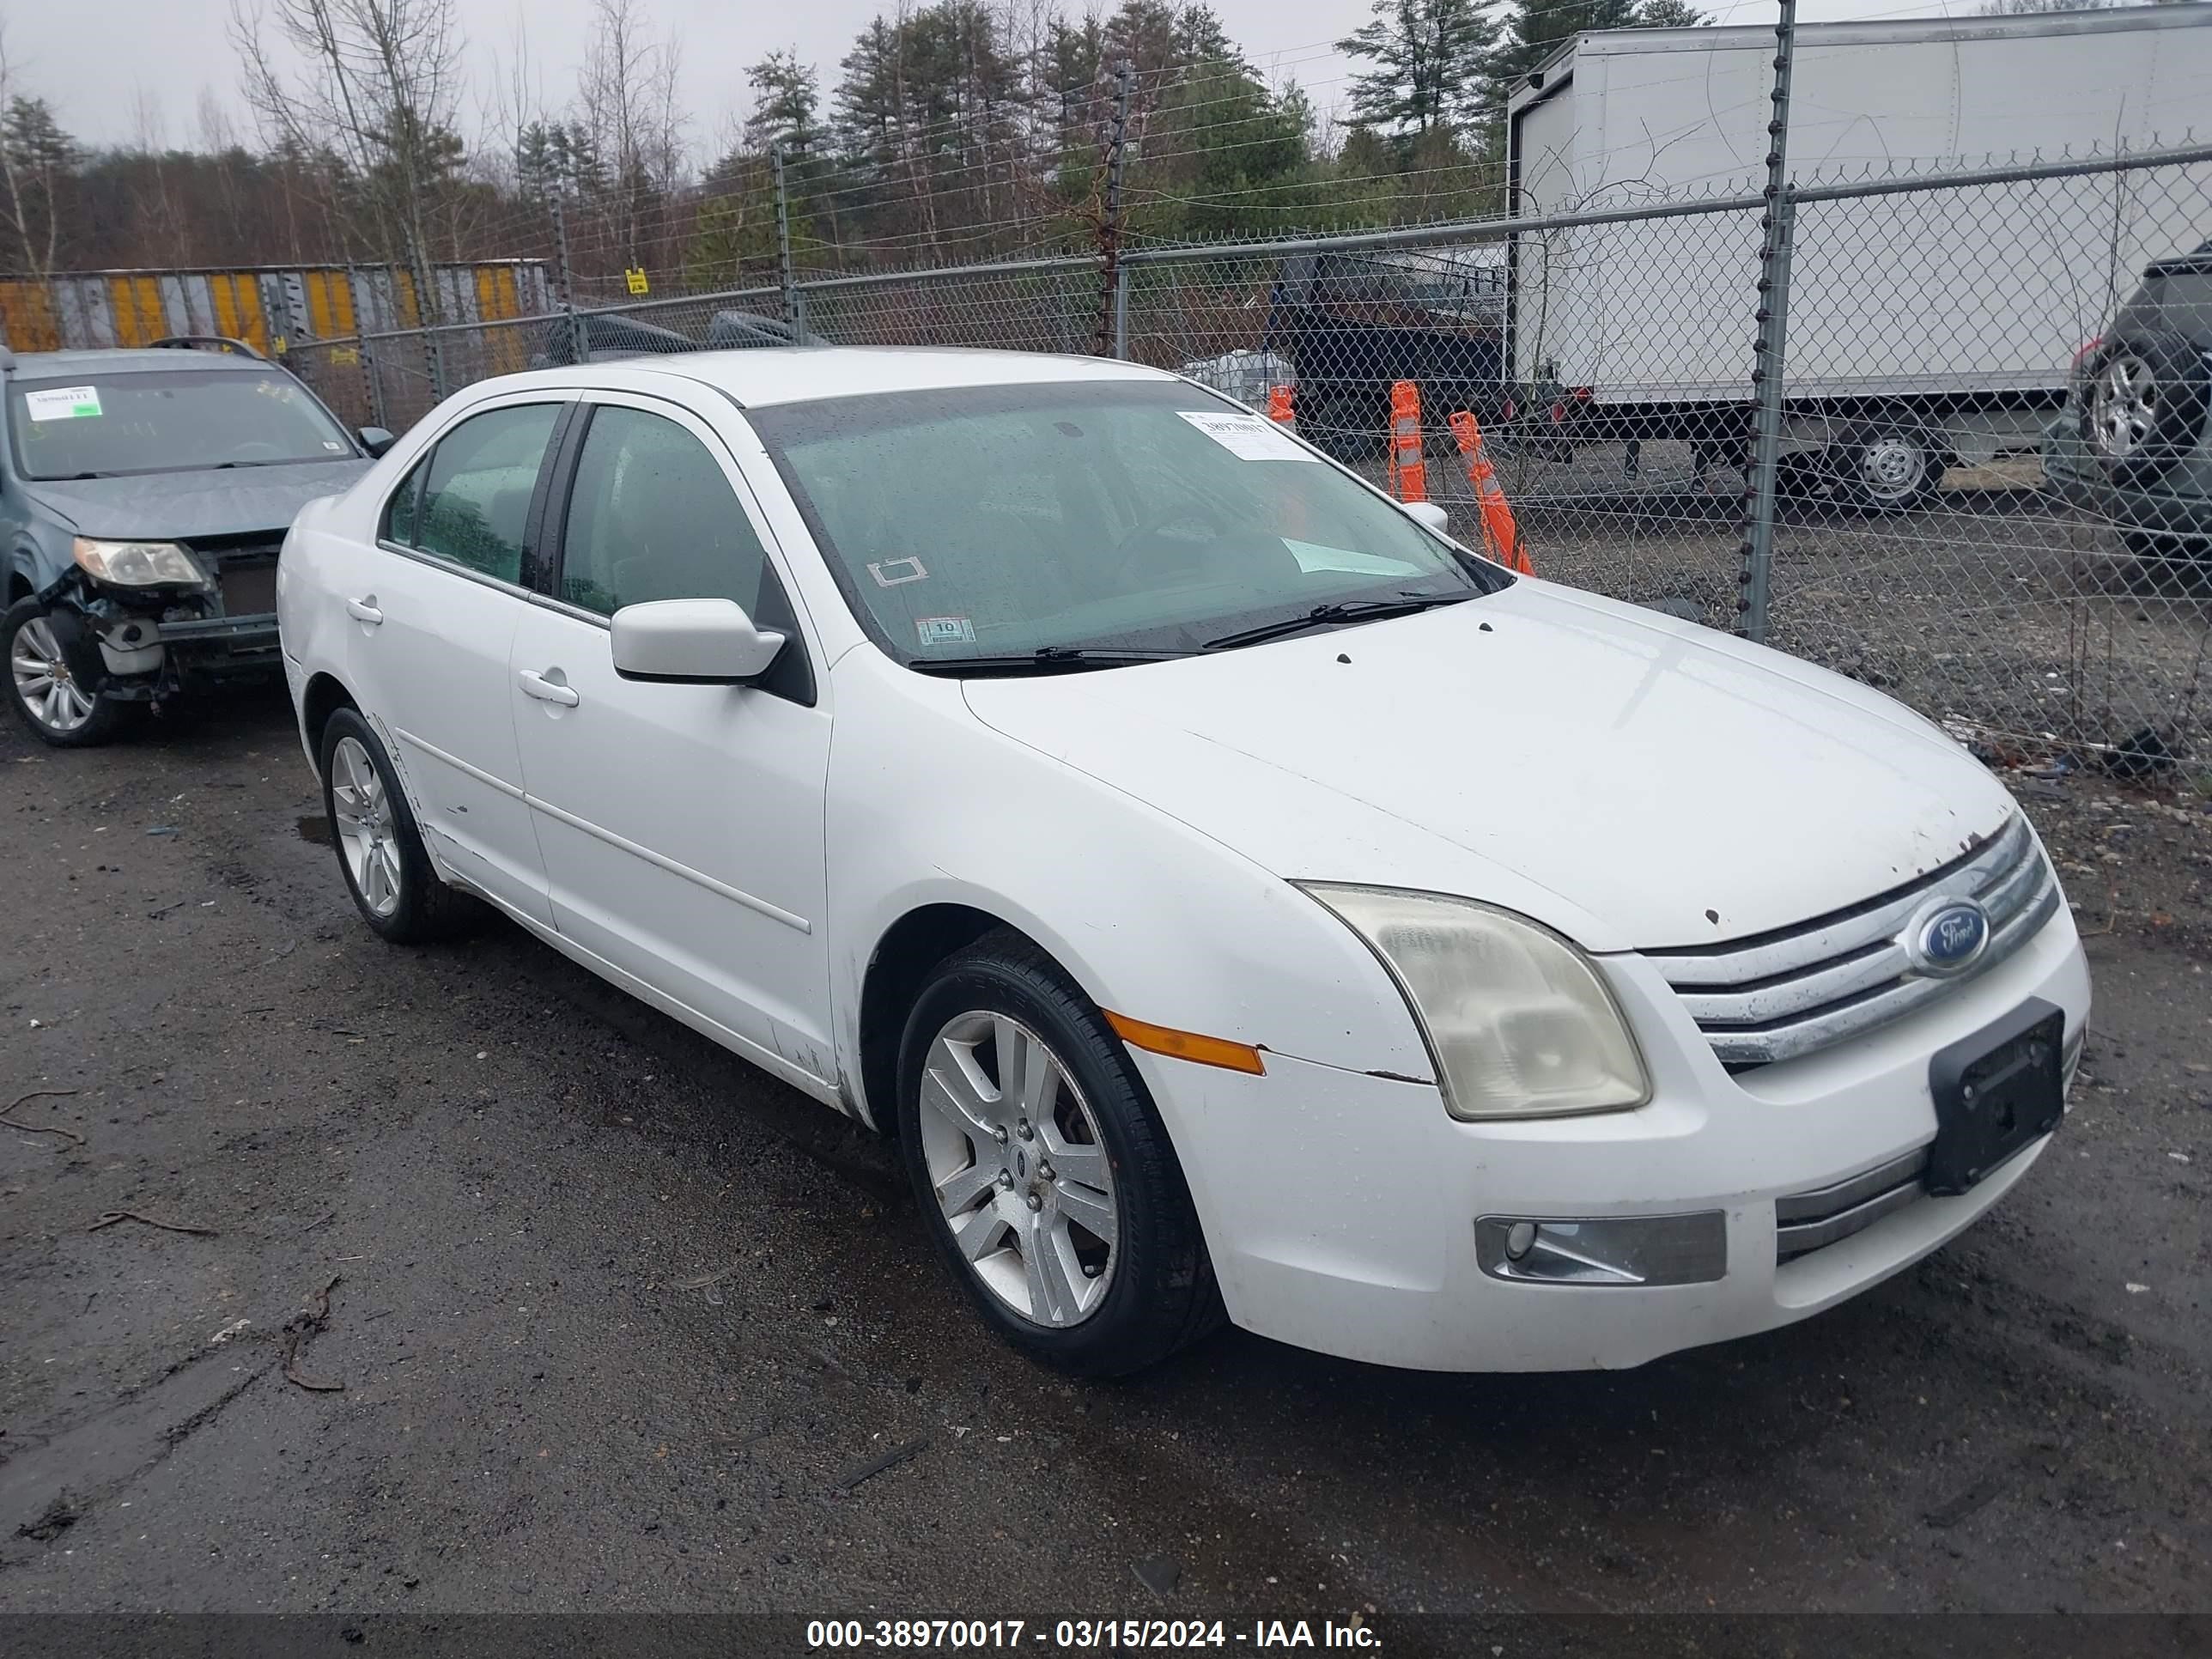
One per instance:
(315,828)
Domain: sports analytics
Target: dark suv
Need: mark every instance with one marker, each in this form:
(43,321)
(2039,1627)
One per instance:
(2134,443)
(143,497)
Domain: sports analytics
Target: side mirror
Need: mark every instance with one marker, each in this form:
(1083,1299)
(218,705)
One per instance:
(376,439)
(1431,516)
(692,642)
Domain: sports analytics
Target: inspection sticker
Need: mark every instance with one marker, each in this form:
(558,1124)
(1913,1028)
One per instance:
(1248,437)
(62,403)
(946,630)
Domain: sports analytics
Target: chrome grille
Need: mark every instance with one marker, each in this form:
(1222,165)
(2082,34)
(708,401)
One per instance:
(1801,989)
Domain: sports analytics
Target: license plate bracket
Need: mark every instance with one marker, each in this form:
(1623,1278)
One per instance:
(1995,1092)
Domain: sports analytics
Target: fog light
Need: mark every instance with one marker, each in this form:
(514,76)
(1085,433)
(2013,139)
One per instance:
(1631,1250)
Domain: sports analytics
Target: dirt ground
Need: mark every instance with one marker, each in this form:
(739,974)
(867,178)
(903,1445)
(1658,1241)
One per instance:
(615,1323)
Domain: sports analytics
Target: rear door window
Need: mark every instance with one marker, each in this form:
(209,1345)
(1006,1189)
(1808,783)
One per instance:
(475,498)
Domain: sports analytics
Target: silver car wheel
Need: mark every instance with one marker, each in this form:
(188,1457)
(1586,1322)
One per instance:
(1892,468)
(43,680)
(1016,1162)
(362,817)
(2124,406)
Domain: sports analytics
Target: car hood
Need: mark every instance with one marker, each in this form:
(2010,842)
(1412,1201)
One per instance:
(189,505)
(1632,780)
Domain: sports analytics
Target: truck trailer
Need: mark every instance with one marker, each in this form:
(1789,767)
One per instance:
(1926,327)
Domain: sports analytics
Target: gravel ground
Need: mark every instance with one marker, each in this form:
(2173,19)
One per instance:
(620,1323)
(1992,605)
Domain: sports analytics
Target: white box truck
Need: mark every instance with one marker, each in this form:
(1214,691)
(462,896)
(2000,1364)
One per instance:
(1925,327)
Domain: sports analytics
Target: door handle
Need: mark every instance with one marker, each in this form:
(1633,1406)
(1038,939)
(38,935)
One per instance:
(535,684)
(365,611)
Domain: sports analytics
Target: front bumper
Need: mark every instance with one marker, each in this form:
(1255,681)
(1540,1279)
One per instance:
(1340,1207)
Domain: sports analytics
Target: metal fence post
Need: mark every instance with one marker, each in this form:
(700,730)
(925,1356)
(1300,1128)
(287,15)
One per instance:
(791,301)
(578,347)
(1113,297)
(1779,223)
(370,377)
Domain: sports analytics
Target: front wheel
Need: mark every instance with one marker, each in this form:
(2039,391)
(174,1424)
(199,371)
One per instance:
(1042,1169)
(46,656)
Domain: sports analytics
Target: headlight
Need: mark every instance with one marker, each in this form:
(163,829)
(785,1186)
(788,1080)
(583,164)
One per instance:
(139,564)
(1517,1020)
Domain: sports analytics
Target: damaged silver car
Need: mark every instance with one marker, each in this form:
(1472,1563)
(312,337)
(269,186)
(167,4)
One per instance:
(143,497)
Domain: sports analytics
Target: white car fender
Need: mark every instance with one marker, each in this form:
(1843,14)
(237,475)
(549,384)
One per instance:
(1177,930)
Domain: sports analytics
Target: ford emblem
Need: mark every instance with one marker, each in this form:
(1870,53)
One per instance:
(1947,937)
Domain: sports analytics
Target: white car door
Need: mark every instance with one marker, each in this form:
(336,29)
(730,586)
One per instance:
(681,825)
(431,616)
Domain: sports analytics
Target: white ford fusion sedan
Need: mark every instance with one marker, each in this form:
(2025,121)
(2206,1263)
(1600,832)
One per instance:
(1236,898)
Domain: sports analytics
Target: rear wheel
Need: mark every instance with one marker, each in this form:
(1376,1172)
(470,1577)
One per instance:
(380,850)
(1886,466)
(46,656)
(1042,1169)
(2145,406)
(2162,548)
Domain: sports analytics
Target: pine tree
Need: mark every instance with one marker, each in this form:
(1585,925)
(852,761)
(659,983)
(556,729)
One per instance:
(1429,57)
(785,103)
(1537,28)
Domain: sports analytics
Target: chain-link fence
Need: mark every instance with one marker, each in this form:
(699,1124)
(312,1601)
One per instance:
(1992,495)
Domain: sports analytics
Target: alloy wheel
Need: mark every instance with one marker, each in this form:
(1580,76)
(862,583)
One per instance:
(43,680)
(2124,406)
(362,817)
(1019,1169)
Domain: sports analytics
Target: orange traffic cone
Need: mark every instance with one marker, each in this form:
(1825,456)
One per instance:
(1409,475)
(1279,406)
(1501,536)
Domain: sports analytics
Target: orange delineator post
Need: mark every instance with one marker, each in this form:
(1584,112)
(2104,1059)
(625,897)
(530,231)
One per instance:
(1499,532)
(1279,406)
(1409,475)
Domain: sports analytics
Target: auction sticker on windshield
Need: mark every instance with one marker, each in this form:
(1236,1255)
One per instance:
(1247,437)
(62,403)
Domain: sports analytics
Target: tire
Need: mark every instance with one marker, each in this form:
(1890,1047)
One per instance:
(2144,404)
(2161,548)
(1325,429)
(380,851)
(1119,1304)
(1885,466)
(46,653)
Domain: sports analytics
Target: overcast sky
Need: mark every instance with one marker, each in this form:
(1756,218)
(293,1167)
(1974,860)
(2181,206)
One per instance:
(161,54)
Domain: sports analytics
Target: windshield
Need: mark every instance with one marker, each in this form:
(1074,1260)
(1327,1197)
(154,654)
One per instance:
(1105,516)
(178,420)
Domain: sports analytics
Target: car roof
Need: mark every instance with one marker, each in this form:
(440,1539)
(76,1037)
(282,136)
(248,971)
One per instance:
(109,360)
(759,377)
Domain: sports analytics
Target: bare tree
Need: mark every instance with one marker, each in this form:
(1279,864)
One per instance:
(374,103)
(626,106)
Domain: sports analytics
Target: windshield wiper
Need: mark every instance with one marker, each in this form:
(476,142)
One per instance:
(1347,611)
(1048,659)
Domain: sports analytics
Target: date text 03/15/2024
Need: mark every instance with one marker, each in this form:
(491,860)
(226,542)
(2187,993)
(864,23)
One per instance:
(831,1635)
